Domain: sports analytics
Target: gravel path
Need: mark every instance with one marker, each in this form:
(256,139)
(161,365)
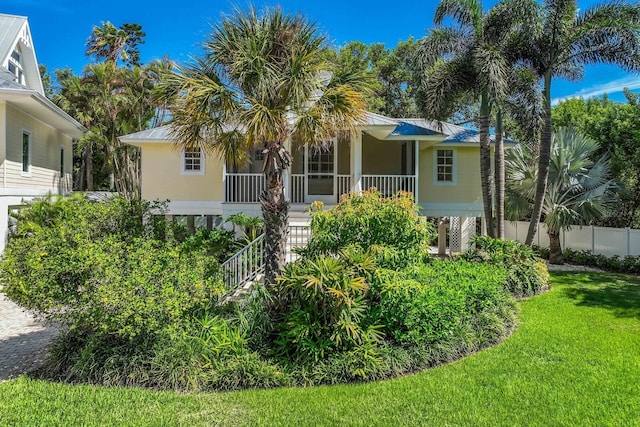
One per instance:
(23,340)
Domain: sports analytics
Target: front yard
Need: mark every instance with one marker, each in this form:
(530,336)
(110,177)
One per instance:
(574,360)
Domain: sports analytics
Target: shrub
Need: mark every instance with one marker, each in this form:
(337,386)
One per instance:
(370,220)
(628,264)
(446,304)
(526,273)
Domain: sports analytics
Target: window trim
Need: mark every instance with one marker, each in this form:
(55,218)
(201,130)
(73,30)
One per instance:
(184,171)
(454,168)
(26,173)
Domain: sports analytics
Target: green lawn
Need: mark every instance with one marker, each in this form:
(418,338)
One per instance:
(574,360)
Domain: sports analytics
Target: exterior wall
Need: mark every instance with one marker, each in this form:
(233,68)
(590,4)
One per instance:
(162,178)
(3,139)
(381,157)
(344,158)
(46,143)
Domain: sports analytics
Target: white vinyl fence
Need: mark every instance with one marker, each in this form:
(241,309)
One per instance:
(597,240)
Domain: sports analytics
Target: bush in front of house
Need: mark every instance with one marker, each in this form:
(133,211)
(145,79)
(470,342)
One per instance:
(627,264)
(527,274)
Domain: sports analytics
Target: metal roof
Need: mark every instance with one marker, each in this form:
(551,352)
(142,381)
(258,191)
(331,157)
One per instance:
(10,27)
(374,119)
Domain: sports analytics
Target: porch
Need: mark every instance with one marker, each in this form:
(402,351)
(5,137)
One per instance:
(324,174)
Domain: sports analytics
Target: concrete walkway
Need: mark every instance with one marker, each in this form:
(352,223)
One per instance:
(23,340)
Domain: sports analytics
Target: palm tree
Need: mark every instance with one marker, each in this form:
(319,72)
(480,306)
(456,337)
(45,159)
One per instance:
(567,41)
(111,43)
(264,77)
(470,59)
(579,189)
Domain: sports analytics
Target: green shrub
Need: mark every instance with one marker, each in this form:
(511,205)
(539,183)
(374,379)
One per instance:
(446,302)
(370,220)
(526,273)
(628,264)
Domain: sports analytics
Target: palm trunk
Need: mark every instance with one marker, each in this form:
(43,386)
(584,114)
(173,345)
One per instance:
(543,161)
(555,249)
(499,177)
(88,162)
(485,164)
(275,210)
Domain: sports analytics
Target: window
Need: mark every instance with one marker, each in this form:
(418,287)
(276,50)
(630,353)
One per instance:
(61,162)
(258,155)
(15,67)
(26,153)
(445,171)
(192,161)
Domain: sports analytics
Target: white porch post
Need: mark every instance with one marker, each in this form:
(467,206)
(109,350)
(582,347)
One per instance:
(356,162)
(286,176)
(416,169)
(224,181)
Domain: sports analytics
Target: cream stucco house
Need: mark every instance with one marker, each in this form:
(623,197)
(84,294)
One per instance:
(36,152)
(437,162)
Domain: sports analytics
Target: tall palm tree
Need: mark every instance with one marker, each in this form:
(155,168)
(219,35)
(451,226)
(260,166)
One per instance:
(580,190)
(264,76)
(568,40)
(469,59)
(111,43)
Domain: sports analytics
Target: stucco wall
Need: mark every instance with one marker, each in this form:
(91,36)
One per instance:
(46,143)
(162,178)
(381,157)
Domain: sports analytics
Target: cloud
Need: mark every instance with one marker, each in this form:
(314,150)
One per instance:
(614,86)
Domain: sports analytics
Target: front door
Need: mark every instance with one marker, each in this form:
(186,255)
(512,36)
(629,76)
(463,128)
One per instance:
(320,168)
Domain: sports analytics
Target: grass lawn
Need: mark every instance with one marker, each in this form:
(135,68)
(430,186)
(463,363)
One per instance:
(574,360)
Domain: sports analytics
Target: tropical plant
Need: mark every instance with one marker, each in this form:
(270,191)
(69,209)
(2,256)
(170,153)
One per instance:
(579,190)
(264,81)
(111,43)
(568,39)
(470,60)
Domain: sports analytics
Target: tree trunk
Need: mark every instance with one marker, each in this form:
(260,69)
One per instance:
(555,250)
(499,177)
(88,162)
(543,161)
(275,210)
(485,164)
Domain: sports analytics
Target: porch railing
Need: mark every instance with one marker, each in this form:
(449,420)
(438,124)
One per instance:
(243,187)
(297,188)
(343,184)
(389,185)
(245,265)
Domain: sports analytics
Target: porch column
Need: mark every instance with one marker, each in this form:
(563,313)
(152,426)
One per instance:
(286,176)
(416,169)
(224,180)
(356,162)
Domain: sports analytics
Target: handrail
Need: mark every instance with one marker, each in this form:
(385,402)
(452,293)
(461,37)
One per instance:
(245,265)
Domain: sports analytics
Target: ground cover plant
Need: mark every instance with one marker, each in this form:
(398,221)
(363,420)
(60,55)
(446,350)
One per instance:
(574,360)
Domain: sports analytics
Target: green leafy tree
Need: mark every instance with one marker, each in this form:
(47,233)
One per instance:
(616,128)
(579,191)
(110,43)
(567,40)
(265,77)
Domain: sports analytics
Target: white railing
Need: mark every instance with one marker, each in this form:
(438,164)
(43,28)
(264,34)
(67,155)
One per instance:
(297,237)
(389,185)
(343,184)
(245,265)
(297,188)
(243,187)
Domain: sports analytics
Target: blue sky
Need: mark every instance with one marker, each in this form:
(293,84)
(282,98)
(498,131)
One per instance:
(60,29)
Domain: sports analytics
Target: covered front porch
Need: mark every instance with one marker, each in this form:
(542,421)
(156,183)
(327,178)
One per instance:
(325,173)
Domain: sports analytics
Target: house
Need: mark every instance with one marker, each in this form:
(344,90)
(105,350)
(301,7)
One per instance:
(36,137)
(437,162)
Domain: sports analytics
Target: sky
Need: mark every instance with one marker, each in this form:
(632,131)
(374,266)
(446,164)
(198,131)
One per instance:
(176,28)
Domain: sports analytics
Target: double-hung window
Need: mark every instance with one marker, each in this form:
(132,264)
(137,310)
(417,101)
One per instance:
(445,167)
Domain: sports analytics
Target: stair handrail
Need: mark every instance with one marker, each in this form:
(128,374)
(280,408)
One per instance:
(245,264)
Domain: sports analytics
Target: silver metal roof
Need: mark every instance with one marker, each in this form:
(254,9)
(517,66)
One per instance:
(10,27)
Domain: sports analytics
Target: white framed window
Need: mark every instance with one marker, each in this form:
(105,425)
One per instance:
(15,66)
(26,153)
(445,167)
(192,161)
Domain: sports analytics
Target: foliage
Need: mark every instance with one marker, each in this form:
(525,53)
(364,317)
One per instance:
(391,227)
(526,274)
(112,44)
(323,307)
(616,128)
(447,302)
(627,264)
(251,226)
(579,189)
